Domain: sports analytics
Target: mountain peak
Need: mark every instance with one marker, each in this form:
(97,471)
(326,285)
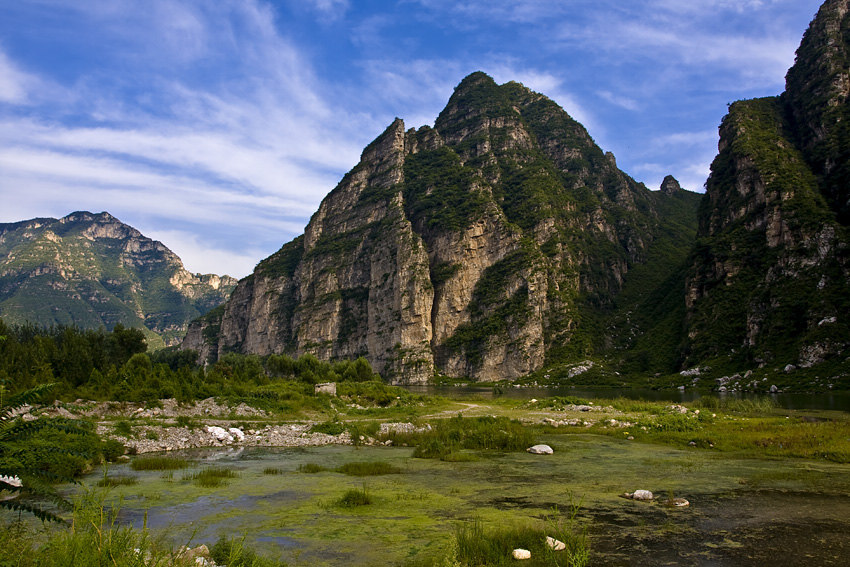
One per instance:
(670,185)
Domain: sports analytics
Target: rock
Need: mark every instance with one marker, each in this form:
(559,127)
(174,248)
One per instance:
(677,503)
(521,554)
(643,495)
(237,433)
(555,544)
(219,433)
(540,450)
(773,389)
(789,368)
(326,388)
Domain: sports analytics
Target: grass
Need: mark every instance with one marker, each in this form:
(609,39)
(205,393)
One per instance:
(311,468)
(211,477)
(368,468)
(158,464)
(272,471)
(473,544)
(449,437)
(354,498)
(328,428)
(113,481)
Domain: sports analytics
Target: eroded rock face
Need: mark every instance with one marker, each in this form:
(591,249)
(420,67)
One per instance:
(773,256)
(461,249)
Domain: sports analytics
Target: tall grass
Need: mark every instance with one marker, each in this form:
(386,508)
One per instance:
(94,538)
(158,463)
(368,468)
(211,477)
(353,498)
(758,405)
(449,436)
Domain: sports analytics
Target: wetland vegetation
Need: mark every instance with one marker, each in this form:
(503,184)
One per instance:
(417,480)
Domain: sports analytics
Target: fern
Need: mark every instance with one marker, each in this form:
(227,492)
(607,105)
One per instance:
(35,483)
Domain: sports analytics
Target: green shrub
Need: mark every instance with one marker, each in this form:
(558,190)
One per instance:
(329,428)
(311,468)
(112,449)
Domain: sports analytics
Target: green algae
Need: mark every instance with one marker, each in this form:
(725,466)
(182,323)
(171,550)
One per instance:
(413,514)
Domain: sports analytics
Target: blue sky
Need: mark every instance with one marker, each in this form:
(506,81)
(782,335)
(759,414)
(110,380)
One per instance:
(218,126)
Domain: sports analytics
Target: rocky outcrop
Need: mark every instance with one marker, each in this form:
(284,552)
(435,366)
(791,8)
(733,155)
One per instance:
(92,270)
(773,253)
(476,248)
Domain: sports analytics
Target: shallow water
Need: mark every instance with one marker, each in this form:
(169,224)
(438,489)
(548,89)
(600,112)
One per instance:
(743,511)
(838,401)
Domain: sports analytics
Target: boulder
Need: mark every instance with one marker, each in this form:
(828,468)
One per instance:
(326,388)
(555,544)
(540,450)
(642,495)
(521,554)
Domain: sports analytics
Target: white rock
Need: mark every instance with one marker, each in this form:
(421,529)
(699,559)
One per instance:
(521,554)
(540,450)
(642,495)
(237,433)
(555,544)
(11,481)
(219,433)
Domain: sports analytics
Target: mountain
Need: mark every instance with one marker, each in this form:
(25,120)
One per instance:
(91,270)
(492,244)
(769,281)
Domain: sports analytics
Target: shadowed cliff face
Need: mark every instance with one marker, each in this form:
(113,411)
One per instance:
(770,273)
(92,270)
(482,247)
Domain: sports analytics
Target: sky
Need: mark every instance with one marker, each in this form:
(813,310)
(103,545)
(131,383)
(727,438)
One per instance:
(217,126)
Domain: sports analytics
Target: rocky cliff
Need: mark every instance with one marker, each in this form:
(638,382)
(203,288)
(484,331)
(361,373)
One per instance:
(91,270)
(483,247)
(770,275)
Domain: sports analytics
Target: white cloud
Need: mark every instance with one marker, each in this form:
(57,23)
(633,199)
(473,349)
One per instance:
(619,100)
(14,83)
(206,259)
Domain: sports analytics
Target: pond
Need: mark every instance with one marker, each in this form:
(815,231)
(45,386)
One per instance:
(839,401)
(743,511)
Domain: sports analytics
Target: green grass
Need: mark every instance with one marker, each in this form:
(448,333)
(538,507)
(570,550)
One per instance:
(368,468)
(113,481)
(449,436)
(211,477)
(354,498)
(311,468)
(272,471)
(158,463)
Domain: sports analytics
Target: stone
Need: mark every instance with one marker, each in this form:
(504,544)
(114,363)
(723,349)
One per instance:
(643,495)
(540,450)
(555,544)
(328,388)
(773,389)
(236,433)
(521,554)
(677,503)
(219,433)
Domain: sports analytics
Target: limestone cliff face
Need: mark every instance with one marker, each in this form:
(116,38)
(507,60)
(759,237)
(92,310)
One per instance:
(770,276)
(474,248)
(92,270)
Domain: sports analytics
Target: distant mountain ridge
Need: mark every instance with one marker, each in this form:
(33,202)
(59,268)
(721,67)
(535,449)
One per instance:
(92,270)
